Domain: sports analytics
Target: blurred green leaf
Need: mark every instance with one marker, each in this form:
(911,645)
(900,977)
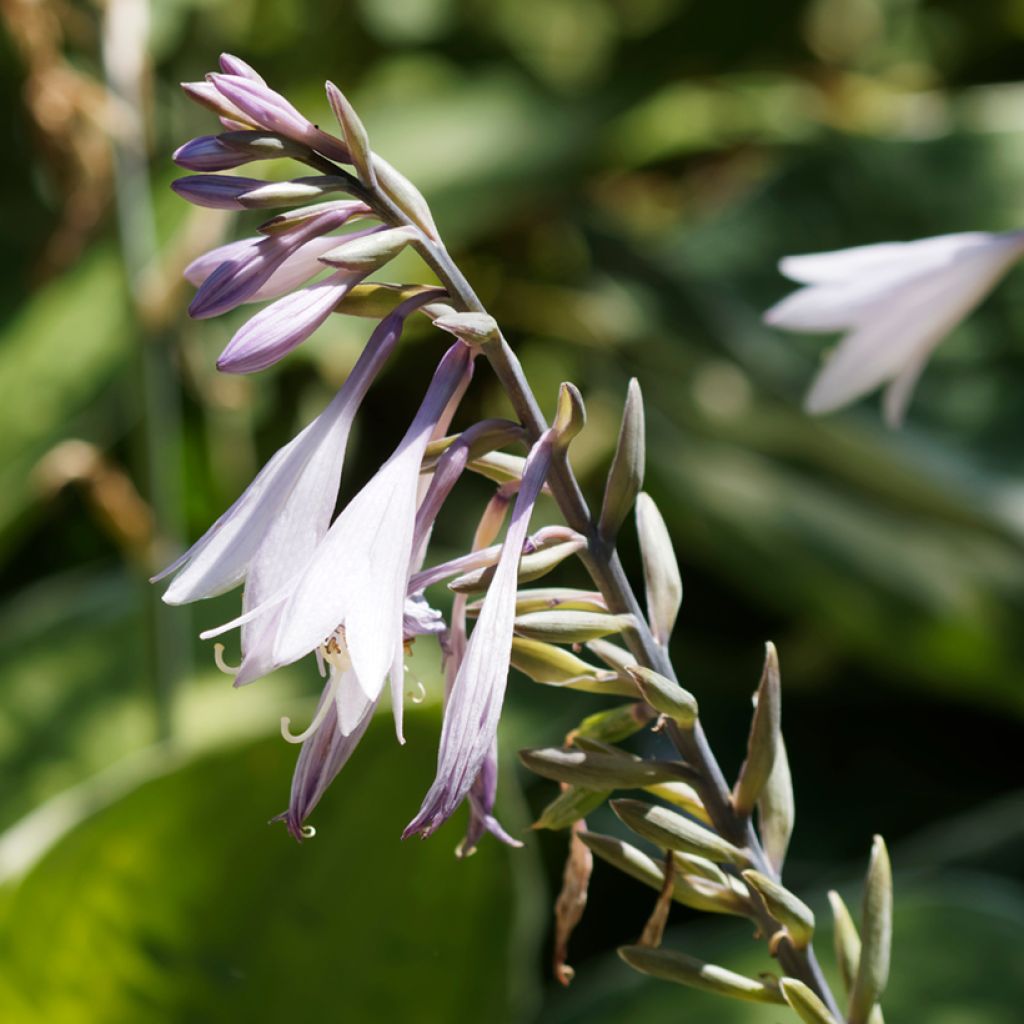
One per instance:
(179,903)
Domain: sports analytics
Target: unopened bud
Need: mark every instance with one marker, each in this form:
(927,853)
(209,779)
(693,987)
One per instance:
(291,193)
(596,771)
(668,965)
(683,796)
(404,194)
(531,567)
(368,253)
(626,473)
(570,627)
(661,571)
(472,328)
(765,733)
(613,656)
(876,936)
(805,1003)
(555,666)
(696,893)
(570,414)
(613,725)
(792,913)
(570,806)
(672,831)
(845,939)
(260,145)
(776,810)
(376,301)
(665,696)
(290,220)
(355,135)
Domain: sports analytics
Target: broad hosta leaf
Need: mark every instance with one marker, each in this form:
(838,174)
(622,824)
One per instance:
(180,903)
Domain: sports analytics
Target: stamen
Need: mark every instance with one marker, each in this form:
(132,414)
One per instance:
(307,831)
(419,694)
(321,714)
(218,660)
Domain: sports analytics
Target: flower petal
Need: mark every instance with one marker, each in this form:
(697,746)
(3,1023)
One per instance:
(474,706)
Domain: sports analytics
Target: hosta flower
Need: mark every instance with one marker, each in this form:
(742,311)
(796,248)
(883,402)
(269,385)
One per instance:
(285,512)
(896,301)
(474,704)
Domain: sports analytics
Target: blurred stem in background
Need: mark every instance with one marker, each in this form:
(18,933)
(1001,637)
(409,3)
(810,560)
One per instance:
(126,70)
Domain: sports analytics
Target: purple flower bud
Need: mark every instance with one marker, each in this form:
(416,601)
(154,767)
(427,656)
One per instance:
(207,96)
(270,110)
(217,191)
(208,153)
(232,65)
(236,280)
(284,325)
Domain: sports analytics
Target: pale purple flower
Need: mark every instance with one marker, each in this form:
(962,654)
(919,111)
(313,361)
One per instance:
(285,324)
(277,522)
(356,581)
(474,705)
(897,301)
(240,276)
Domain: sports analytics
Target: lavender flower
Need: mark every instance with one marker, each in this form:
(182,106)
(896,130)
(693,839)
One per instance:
(897,300)
(474,707)
(284,513)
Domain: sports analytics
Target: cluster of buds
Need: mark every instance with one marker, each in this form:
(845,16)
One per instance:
(351,590)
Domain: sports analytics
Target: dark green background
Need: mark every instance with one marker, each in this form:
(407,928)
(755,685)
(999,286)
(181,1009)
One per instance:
(618,178)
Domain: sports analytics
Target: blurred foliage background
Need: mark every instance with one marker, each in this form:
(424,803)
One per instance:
(618,178)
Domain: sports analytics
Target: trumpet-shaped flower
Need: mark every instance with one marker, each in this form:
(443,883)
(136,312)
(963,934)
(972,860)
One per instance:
(474,705)
(285,512)
(897,301)
(357,577)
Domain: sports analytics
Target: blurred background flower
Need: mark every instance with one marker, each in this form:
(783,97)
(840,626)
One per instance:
(619,179)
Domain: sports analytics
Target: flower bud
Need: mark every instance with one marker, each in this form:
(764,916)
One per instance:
(376,301)
(570,414)
(845,939)
(291,220)
(472,328)
(404,194)
(596,771)
(793,914)
(260,145)
(765,733)
(672,831)
(805,1003)
(531,567)
(668,965)
(540,599)
(613,656)
(555,666)
(665,696)
(626,473)
(368,253)
(570,627)
(776,810)
(355,135)
(661,571)
(292,193)
(614,724)
(569,806)
(876,936)
(683,796)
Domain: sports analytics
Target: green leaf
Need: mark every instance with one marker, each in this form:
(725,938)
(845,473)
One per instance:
(180,903)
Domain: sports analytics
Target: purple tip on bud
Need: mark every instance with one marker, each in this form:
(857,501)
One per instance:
(232,65)
(208,153)
(216,191)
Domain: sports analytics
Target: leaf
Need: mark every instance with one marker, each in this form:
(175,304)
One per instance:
(179,903)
